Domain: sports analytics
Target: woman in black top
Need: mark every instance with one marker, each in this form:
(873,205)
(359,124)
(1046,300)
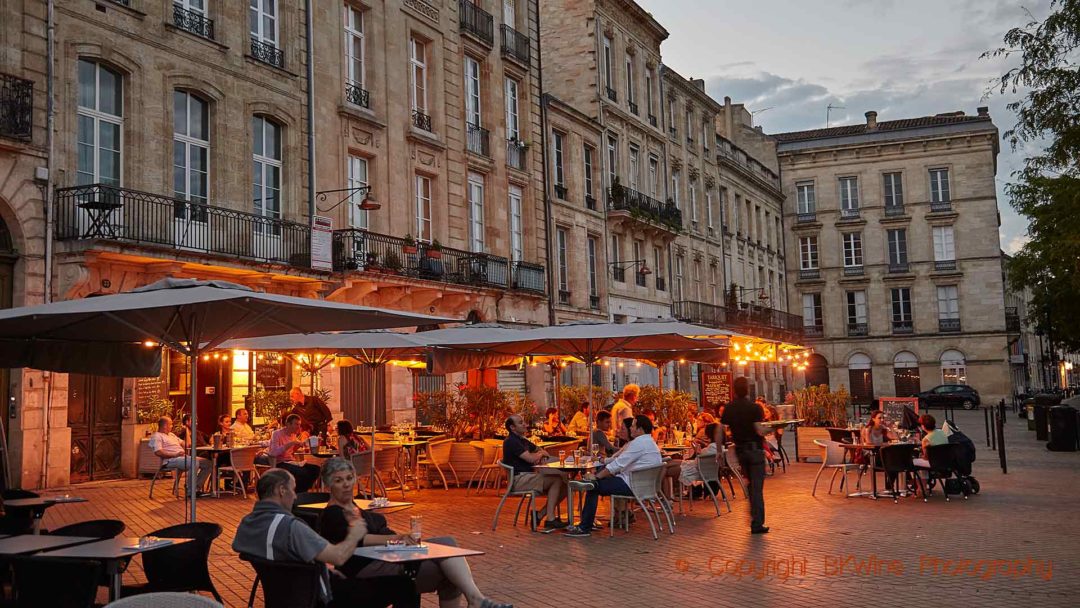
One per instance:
(451,577)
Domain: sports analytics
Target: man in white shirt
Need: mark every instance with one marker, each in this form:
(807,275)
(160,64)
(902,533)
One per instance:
(624,407)
(173,451)
(640,453)
(579,424)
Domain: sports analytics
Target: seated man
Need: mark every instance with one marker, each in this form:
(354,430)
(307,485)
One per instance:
(522,454)
(600,434)
(579,424)
(173,453)
(272,532)
(283,444)
(640,453)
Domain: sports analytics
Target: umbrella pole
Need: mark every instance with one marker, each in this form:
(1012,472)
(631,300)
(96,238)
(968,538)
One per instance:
(371,480)
(193,362)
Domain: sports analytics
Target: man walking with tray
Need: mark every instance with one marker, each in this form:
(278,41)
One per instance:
(744,419)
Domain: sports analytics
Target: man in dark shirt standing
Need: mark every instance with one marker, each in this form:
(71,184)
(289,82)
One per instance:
(523,455)
(744,418)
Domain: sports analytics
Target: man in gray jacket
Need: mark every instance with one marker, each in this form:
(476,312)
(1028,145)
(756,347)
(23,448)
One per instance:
(273,533)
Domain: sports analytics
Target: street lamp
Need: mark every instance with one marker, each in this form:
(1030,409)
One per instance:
(365,205)
(643,268)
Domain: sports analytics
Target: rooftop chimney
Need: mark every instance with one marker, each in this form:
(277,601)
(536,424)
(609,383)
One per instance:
(727,100)
(871,120)
(983,111)
(698,82)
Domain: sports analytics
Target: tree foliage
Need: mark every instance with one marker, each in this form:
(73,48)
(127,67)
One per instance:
(1047,189)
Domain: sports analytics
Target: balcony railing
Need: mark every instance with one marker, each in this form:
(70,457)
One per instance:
(421,120)
(120,214)
(619,274)
(611,94)
(652,120)
(853,271)
(639,278)
(672,132)
(645,207)
(594,302)
(357,96)
(633,107)
(948,325)
(810,273)
(560,191)
(476,139)
(193,22)
(903,327)
(806,218)
(590,202)
(758,321)
(476,22)
(515,45)
(894,210)
(898,267)
(690,140)
(16,107)
(849,214)
(945,265)
(515,154)
(857,329)
(564,297)
(661,284)
(941,207)
(813,331)
(267,53)
(528,276)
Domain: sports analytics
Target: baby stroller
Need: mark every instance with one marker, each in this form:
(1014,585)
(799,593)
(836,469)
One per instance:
(951,463)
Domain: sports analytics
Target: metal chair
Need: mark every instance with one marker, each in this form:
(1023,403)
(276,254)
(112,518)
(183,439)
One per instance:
(840,435)
(529,495)
(438,456)
(94,528)
(54,581)
(362,463)
(176,473)
(165,599)
(709,470)
(833,457)
(285,584)
(181,566)
(643,487)
(489,456)
(242,460)
(731,470)
(942,459)
(387,461)
(897,459)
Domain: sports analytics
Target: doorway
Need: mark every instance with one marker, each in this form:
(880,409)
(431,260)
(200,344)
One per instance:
(94,411)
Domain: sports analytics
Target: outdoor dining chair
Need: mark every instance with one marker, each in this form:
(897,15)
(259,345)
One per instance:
(361,462)
(438,456)
(285,584)
(709,470)
(165,599)
(526,495)
(388,464)
(488,454)
(731,469)
(833,457)
(308,516)
(242,460)
(165,468)
(94,528)
(54,581)
(181,566)
(896,460)
(643,491)
(942,460)
(840,435)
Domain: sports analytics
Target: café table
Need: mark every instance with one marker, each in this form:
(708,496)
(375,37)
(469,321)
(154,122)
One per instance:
(872,450)
(100,213)
(794,424)
(413,557)
(113,553)
(412,448)
(39,504)
(211,453)
(30,543)
(365,504)
(570,468)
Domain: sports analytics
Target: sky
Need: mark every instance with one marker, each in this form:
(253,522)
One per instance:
(787,60)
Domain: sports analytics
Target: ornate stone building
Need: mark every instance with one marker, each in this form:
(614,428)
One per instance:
(893,248)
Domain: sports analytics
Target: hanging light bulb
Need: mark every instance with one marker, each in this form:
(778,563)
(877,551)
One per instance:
(622,364)
(149,344)
(206,357)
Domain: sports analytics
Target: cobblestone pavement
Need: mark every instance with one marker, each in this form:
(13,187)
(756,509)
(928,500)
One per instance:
(821,549)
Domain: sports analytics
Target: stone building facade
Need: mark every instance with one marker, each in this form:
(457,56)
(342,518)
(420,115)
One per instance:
(893,250)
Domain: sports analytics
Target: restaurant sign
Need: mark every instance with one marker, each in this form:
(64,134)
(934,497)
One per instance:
(322,247)
(893,408)
(715,389)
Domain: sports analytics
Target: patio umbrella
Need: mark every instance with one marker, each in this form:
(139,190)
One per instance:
(191,317)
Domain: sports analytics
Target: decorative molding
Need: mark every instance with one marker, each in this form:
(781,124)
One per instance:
(361,136)
(710,181)
(423,9)
(694,172)
(676,163)
(425,158)
(630,50)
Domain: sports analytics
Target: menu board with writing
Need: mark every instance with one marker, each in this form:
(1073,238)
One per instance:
(148,389)
(893,408)
(715,389)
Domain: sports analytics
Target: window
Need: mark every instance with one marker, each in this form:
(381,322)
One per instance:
(898,248)
(861,379)
(939,186)
(267,167)
(906,373)
(811,305)
(953,367)
(472,91)
(693,200)
(948,303)
(264,21)
(698,286)
(808,253)
(517,252)
(639,254)
(476,212)
(901,309)
(708,208)
(856,308)
(608,76)
(678,277)
(705,135)
(100,133)
(587,154)
(853,249)
(354,46)
(358,177)
(648,92)
(944,247)
(191,147)
(630,97)
(676,177)
(671,117)
(593,286)
(654,175)
(849,196)
(513,125)
(418,75)
(560,240)
(613,157)
(658,268)
(509,13)
(557,158)
(894,189)
(616,257)
(423,208)
(634,167)
(805,197)
(689,123)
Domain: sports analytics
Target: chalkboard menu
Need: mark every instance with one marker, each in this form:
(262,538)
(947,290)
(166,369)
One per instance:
(148,389)
(893,408)
(715,389)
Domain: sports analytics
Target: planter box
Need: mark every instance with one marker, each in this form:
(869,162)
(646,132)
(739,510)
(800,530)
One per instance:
(808,451)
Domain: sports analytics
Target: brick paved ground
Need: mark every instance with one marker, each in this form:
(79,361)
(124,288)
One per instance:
(1028,513)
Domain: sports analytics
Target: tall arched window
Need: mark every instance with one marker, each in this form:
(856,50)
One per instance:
(100,132)
(861,377)
(266,164)
(953,367)
(906,374)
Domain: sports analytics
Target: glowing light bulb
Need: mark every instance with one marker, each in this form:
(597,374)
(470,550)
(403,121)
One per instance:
(149,344)
(206,357)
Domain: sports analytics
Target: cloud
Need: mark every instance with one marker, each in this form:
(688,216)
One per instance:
(1016,243)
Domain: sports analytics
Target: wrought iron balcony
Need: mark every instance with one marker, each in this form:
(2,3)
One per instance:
(528,276)
(16,107)
(945,265)
(476,22)
(672,132)
(750,319)
(857,329)
(590,202)
(639,278)
(621,198)
(813,331)
(108,213)
(903,327)
(267,53)
(849,214)
(809,273)
(564,297)
(618,273)
(560,191)
(661,284)
(357,96)
(898,267)
(633,107)
(894,210)
(611,94)
(951,325)
(806,218)
(515,154)
(193,22)
(515,45)
(126,3)
(941,207)
(421,120)
(652,120)
(594,302)
(853,271)
(476,139)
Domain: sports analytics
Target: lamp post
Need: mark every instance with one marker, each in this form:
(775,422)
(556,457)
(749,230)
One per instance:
(642,267)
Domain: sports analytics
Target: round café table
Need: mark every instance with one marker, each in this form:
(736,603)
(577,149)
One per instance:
(872,450)
(567,470)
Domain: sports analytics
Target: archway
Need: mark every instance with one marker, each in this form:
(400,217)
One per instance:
(817,371)
(906,374)
(953,367)
(861,378)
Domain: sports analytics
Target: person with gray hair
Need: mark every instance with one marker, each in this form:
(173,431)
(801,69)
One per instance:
(450,578)
(271,532)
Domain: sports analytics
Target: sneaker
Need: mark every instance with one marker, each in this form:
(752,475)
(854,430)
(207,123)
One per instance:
(555,524)
(583,486)
(597,527)
(761,530)
(577,532)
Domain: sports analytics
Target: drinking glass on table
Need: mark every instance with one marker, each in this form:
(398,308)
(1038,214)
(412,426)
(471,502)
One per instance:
(416,523)
(578,454)
(594,449)
(562,457)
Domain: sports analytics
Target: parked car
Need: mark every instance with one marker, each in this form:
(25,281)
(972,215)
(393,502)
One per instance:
(949,395)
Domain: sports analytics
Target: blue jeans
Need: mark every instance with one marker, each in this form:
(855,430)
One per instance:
(604,487)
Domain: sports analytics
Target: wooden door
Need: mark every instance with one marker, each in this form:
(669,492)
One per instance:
(94,413)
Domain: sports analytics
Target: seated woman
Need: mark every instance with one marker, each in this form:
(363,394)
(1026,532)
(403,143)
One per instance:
(451,578)
(704,419)
(552,424)
(875,432)
(659,433)
(349,442)
(688,473)
(934,436)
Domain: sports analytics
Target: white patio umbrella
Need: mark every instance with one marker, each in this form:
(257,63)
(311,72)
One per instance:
(189,316)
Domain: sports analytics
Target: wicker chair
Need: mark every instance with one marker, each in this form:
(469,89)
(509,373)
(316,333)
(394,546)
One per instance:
(242,460)
(438,456)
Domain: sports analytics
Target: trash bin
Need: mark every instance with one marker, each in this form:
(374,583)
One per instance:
(1063,429)
(1041,421)
(1030,407)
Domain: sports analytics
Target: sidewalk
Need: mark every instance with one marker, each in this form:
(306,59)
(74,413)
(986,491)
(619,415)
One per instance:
(1016,543)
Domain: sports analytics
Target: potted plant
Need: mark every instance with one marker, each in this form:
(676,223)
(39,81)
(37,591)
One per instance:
(819,408)
(672,407)
(409,246)
(392,262)
(371,261)
(618,193)
(571,399)
(434,251)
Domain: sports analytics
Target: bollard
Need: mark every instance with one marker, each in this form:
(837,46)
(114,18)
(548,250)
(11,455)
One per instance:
(1001,437)
(986,424)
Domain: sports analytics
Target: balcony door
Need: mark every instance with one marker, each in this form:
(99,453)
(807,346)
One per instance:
(266,189)
(100,148)
(861,379)
(191,171)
